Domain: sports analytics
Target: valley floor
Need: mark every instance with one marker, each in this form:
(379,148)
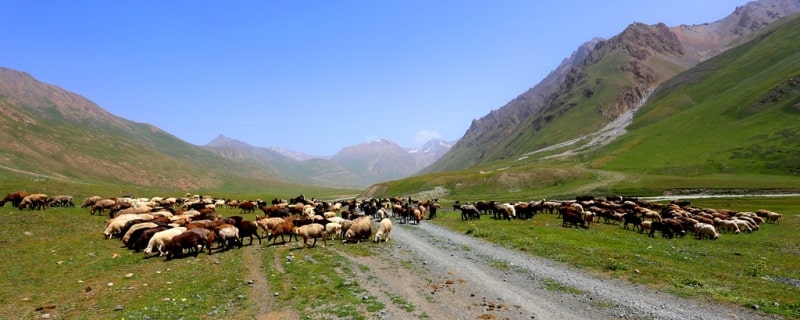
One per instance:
(442,274)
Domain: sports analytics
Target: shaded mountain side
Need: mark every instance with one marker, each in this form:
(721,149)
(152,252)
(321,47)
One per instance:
(615,76)
(497,126)
(55,133)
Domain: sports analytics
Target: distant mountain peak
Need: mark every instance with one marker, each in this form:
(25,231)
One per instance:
(222,141)
(381,141)
(434,146)
(293,154)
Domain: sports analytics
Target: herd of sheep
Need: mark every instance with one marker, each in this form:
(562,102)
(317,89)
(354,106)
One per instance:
(176,226)
(676,218)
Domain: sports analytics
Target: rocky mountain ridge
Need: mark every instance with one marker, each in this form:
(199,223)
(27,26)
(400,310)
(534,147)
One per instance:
(602,81)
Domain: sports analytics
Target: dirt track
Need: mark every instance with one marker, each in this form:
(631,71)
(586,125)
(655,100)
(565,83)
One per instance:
(430,272)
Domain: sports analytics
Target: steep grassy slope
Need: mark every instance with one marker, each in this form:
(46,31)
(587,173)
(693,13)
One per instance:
(734,114)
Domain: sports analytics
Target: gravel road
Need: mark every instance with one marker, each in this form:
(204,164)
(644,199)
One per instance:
(431,272)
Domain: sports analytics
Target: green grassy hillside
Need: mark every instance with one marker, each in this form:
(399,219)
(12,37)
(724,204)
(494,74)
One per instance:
(734,114)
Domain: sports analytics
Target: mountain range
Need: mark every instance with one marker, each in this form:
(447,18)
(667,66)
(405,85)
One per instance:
(602,80)
(353,166)
(640,77)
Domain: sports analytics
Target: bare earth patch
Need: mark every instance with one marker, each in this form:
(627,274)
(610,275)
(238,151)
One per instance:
(261,297)
(429,272)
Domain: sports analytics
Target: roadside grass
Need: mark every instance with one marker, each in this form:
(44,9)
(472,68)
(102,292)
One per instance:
(318,283)
(57,262)
(552,285)
(760,269)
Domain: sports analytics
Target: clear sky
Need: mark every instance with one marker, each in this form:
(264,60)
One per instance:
(313,76)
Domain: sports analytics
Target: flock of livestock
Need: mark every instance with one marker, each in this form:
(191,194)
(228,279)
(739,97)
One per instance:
(176,226)
(676,218)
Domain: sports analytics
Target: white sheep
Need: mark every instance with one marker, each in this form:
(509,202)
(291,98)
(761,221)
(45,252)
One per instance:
(337,207)
(384,230)
(743,225)
(774,217)
(338,220)
(513,211)
(227,235)
(308,211)
(727,225)
(114,226)
(705,231)
(332,229)
(329,214)
(381,213)
(161,238)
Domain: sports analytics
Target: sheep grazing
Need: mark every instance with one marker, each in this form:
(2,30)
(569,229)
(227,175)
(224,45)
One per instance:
(102,205)
(469,212)
(360,229)
(90,201)
(633,219)
(160,239)
(268,224)
(346,224)
(15,198)
(138,226)
(227,236)
(280,229)
(646,225)
(571,216)
(187,240)
(208,235)
(384,230)
(115,226)
(246,207)
(769,216)
(61,201)
(329,214)
(139,242)
(312,231)
(705,231)
(36,201)
(588,216)
(249,229)
(333,229)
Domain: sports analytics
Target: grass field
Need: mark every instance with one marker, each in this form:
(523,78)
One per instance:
(57,262)
(760,269)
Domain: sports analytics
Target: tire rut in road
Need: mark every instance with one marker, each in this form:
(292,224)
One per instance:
(466,278)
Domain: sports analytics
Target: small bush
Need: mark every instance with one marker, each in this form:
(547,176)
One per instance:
(615,265)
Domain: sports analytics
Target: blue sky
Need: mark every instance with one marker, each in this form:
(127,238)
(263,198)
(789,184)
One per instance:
(313,76)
